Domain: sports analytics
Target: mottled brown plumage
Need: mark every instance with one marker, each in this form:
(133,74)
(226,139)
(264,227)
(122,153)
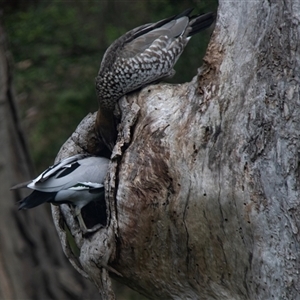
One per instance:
(139,57)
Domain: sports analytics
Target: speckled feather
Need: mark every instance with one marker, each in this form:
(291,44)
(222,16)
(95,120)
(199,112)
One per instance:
(144,55)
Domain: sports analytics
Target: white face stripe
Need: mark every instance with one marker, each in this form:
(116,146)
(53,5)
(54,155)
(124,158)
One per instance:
(86,186)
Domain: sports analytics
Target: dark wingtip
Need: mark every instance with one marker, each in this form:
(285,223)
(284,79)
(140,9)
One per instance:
(21,204)
(184,13)
(201,22)
(36,198)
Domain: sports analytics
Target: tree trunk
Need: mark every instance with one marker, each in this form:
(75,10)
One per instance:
(202,192)
(32,265)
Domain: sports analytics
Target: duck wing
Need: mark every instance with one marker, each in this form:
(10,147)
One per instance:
(36,198)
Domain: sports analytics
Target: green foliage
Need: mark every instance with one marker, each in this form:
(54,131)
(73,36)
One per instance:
(58,47)
(56,63)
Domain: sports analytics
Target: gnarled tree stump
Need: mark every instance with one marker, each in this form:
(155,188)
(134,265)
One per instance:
(203,189)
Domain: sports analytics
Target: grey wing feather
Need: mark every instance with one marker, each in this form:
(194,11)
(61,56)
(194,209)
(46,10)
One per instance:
(172,29)
(52,171)
(113,51)
(116,48)
(140,38)
(21,185)
(90,170)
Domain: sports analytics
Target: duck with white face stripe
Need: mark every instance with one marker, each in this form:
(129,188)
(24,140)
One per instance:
(76,180)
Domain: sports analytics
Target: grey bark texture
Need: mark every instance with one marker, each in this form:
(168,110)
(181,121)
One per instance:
(32,265)
(203,188)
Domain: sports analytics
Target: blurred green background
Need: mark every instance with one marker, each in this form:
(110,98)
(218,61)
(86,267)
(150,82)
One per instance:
(57,48)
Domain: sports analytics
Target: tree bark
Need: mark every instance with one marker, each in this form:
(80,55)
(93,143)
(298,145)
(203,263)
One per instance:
(203,188)
(32,265)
